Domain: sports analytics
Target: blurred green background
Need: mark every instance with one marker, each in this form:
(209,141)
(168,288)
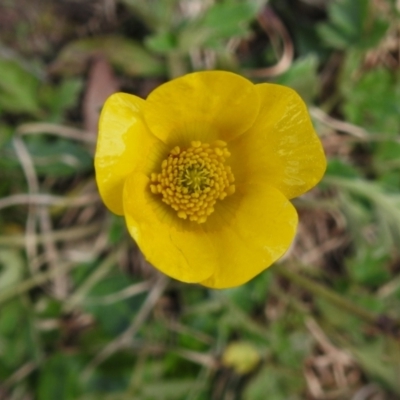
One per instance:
(83,317)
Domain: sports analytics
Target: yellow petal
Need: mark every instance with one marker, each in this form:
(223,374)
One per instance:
(201,106)
(123,142)
(247,232)
(176,247)
(250,230)
(281,147)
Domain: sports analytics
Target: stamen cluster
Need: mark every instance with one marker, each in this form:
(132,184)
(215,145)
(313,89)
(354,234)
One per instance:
(193,179)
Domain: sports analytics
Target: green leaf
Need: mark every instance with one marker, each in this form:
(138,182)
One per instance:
(170,389)
(228,20)
(116,316)
(278,384)
(333,37)
(124,54)
(368,267)
(251,295)
(337,318)
(161,42)
(221,21)
(11,314)
(14,345)
(18,89)
(375,361)
(58,99)
(11,267)
(338,167)
(59,379)
(352,23)
(117,229)
(289,345)
(6,133)
(302,77)
(59,158)
(373,101)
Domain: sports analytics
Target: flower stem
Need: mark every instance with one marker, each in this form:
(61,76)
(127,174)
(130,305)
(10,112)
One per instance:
(42,277)
(327,294)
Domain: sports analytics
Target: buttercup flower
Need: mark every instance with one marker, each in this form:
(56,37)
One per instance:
(203,171)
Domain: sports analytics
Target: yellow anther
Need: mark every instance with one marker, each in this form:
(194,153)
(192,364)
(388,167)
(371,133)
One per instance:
(220,143)
(231,189)
(176,150)
(153,189)
(153,177)
(182,214)
(192,180)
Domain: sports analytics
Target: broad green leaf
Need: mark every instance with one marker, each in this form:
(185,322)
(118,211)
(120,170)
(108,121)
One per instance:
(18,89)
(251,295)
(117,229)
(168,389)
(14,342)
(288,342)
(59,98)
(337,167)
(335,316)
(59,158)
(373,101)
(155,14)
(116,316)
(368,267)
(6,132)
(220,22)
(275,384)
(124,54)
(302,77)
(10,317)
(11,268)
(162,42)
(352,23)
(59,378)
(375,360)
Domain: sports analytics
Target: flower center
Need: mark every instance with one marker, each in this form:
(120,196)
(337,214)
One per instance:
(193,179)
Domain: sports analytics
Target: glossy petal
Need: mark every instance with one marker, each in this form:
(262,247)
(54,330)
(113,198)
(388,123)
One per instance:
(281,147)
(176,247)
(245,235)
(201,106)
(123,143)
(256,227)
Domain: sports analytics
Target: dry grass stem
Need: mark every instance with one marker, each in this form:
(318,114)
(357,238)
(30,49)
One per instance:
(49,200)
(35,128)
(277,33)
(125,339)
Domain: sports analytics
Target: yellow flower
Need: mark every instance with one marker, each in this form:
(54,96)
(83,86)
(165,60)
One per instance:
(203,171)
